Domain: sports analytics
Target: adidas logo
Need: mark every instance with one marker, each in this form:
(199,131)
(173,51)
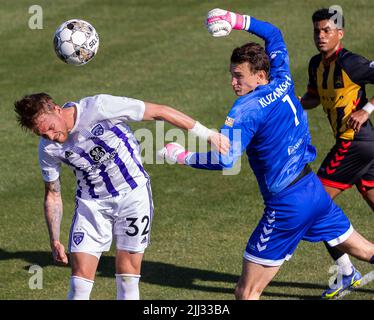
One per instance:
(144,240)
(68,154)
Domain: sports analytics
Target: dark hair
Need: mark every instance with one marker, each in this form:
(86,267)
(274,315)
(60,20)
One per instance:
(254,54)
(327,14)
(31,106)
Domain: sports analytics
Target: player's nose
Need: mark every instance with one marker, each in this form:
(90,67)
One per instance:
(321,34)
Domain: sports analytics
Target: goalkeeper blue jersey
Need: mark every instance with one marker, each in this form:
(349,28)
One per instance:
(269,123)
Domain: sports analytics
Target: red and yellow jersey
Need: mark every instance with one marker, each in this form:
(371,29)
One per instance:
(340,84)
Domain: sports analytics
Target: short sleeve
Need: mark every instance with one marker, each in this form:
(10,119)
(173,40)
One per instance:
(49,165)
(120,108)
(358,68)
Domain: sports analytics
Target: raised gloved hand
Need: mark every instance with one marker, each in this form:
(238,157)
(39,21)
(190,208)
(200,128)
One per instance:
(173,153)
(220,22)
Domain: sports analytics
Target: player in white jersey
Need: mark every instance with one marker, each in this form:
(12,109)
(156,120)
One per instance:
(113,195)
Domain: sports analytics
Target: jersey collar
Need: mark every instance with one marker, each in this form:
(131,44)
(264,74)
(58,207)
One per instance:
(77,109)
(333,57)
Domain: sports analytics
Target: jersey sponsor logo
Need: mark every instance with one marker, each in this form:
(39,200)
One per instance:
(331,98)
(78,237)
(229,121)
(292,149)
(97,153)
(97,130)
(276,94)
(107,157)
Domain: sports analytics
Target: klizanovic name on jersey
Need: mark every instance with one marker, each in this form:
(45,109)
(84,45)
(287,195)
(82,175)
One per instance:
(277,93)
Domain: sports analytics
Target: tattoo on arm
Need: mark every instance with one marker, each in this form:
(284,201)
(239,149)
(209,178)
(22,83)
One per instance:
(53,186)
(53,208)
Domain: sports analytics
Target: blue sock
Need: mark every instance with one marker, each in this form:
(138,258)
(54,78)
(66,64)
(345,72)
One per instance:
(372,260)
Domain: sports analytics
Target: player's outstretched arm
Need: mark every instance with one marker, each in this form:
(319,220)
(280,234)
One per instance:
(53,216)
(175,153)
(179,119)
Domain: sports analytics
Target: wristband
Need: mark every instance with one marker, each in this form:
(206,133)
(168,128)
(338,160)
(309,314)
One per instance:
(200,131)
(246,22)
(242,22)
(369,107)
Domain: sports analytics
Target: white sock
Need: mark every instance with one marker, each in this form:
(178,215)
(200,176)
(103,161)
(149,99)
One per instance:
(127,286)
(345,265)
(80,288)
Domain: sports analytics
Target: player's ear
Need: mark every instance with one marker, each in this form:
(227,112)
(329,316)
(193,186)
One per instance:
(340,34)
(261,76)
(57,109)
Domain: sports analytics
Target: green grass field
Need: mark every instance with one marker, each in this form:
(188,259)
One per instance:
(159,51)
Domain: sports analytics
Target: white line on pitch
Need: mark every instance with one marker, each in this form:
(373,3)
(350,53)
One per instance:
(365,280)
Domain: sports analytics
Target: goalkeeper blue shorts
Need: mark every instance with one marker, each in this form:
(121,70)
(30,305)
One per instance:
(302,211)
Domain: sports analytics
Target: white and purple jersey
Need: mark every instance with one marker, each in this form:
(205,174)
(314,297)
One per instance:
(101,149)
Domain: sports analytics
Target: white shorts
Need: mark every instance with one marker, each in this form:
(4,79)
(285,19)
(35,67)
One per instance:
(127,218)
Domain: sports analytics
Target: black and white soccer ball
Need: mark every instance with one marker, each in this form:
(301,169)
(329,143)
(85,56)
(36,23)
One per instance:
(76,42)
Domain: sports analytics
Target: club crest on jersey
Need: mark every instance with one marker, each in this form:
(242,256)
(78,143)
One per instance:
(78,237)
(229,121)
(97,153)
(97,130)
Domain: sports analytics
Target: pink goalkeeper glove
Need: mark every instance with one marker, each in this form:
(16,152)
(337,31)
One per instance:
(220,22)
(173,153)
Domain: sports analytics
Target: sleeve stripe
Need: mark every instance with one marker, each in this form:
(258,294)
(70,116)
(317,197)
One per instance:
(247,22)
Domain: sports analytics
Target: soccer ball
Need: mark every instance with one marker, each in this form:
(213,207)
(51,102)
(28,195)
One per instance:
(76,42)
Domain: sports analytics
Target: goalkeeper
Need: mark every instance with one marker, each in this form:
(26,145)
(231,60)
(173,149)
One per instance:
(274,133)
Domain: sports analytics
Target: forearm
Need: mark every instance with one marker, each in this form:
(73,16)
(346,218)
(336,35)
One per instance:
(309,101)
(176,118)
(165,113)
(53,210)
(268,32)
(53,217)
(263,29)
(179,119)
